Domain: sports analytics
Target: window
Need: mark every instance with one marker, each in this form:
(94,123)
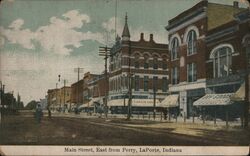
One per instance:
(164,84)
(155,87)
(146,63)
(175,75)
(164,64)
(191,72)
(174,48)
(145,83)
(222,60)
(191,42)
(137,81)
(155,63)
(137,64)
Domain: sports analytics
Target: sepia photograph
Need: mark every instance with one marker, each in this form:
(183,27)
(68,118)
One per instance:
(124,77)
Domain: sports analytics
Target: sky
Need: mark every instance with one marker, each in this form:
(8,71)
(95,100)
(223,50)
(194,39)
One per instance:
(40,39)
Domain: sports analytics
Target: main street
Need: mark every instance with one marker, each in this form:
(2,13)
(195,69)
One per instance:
(24,130)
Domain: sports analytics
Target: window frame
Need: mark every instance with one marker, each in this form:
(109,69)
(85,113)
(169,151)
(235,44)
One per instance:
(174,48)
(193,70)
(191,43)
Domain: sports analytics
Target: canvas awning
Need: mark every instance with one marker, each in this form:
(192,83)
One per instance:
(240,94)
(135,102)
(170,101)
(214,100)
(83,106)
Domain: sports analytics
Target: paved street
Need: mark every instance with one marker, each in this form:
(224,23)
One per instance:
(97,131)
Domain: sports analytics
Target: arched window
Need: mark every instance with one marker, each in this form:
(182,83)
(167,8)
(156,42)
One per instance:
(137,61)
(191,42)
(222,61)
(146,61)
(155,63)
(174,48)
(164,62)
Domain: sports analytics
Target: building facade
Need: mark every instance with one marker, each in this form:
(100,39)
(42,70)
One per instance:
(146,61)
(54,99)
(191,41)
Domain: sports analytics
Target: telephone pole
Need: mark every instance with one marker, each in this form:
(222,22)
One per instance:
(105,52)
(78,70)
(129,85)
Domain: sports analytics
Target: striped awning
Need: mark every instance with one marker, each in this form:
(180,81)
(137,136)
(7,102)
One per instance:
(214,100)
(170,101)
(240,94)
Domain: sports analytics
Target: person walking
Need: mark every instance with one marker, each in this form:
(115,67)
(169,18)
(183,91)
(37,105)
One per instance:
(39,113)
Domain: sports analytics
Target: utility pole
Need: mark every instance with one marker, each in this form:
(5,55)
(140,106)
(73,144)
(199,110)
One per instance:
(246,104)
(64,91)
(130,85)
(1,99)
(78,70)
(105,51)
(154,99)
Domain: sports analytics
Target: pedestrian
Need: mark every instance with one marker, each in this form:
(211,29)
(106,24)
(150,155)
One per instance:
(39,113)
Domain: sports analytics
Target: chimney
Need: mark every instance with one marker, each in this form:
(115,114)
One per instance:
(142,36)
(236,4)
(151,37)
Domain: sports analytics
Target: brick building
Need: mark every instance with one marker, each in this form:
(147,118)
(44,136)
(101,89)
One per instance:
(191,41)
(53,98)
(65,97)
(59,99)
(77,92)
(147,62)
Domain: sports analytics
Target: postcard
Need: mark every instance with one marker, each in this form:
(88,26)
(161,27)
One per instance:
(124,77)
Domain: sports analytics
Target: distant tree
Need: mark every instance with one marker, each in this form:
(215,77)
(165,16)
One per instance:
(9,100)
(31,105)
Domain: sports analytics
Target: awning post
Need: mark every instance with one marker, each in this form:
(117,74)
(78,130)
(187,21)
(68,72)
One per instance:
(184,116)
(214,116)
(161,116)
(193,116)
(227,116)
(176,116)
(203,115)
(169,114)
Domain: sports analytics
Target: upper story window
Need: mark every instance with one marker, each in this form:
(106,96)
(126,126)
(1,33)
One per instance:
(164,84)
(155,63)
(191,42)
(146,61)
(137,81)
(164,63)
(222,61)
(174,48)
(146,80)
(155,84)
(191,72)
(175,75)
(137,61)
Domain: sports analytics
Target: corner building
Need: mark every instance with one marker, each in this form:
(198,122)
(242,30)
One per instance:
(147,63)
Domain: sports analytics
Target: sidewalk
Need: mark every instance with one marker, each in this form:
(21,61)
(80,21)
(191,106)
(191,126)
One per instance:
(150,118)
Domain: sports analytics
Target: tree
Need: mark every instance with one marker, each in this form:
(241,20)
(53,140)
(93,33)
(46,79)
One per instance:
(31,105)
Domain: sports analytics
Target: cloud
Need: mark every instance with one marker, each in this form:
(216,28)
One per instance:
(32,75)
(17,24)
(55,37)
(17,35)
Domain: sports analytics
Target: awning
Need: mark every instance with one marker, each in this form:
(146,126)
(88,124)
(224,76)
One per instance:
(83,106)
(214,100)
(135,102)
(240,94)
(170,101)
